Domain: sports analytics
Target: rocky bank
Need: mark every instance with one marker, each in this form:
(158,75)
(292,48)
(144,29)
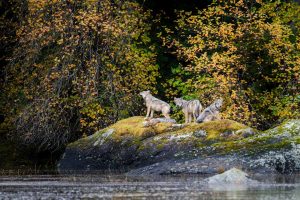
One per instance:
(167,148)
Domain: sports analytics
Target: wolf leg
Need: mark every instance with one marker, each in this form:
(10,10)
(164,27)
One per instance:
(165,111)
(166,115)
(195,115)
(190,117)
(148,112)
(186,116)
(217,116)
(152,112)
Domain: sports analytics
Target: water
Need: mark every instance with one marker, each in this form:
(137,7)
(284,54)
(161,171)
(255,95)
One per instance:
(156,187)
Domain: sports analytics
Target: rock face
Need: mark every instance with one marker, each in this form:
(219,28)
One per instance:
(168,148)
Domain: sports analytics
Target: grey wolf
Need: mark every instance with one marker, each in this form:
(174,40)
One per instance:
(191,109)
(155,104)
(211,112)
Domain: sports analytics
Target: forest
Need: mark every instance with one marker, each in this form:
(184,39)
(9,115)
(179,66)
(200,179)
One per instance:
(72,67)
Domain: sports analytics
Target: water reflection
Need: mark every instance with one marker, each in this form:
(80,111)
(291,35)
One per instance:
(156,187)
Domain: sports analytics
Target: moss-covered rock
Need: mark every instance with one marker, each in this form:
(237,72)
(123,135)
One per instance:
(209,147)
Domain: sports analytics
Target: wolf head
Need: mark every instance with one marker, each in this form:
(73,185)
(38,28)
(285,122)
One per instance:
(145,93)
(208,113)
(178,101)
(218,103)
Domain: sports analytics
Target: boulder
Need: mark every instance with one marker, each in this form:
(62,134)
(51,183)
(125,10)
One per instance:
(233,176)
(168,148)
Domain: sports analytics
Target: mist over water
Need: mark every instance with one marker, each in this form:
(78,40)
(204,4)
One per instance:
(115,186)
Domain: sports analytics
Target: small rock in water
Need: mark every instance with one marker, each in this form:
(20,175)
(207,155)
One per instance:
(232,177)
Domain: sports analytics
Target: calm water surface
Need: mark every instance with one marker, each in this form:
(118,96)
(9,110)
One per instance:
(162,187)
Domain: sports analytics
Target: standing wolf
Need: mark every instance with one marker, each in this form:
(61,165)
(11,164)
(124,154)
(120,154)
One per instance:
(190,108)
(211,112)
(154,104)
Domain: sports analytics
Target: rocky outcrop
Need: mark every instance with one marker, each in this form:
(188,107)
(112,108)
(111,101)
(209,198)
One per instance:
(168,148)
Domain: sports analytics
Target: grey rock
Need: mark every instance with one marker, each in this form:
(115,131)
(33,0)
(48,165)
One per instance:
(103,137)
(247,132)
(186,152)
(200,133)
(233,176)
(227,133)
(155,121)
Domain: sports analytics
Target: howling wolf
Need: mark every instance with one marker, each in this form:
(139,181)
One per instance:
(154,104)
(211,112)
(190,108)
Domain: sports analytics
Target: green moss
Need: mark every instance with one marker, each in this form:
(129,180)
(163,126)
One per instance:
(164,141)
(141,148)
(297,140)
(136,142)
(130,127)
(160,146)
(86,141)
(289,126)
(213,128)
(272,139)
(160,135)
(133,126)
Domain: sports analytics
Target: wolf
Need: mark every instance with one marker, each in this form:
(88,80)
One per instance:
(154,104)
(211,112)
(190,108)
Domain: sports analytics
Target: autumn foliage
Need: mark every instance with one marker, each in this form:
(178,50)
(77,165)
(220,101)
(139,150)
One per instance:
(247,53)
(78,66)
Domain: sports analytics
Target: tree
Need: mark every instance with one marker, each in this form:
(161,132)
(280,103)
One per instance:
(78,68)
(246,52)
